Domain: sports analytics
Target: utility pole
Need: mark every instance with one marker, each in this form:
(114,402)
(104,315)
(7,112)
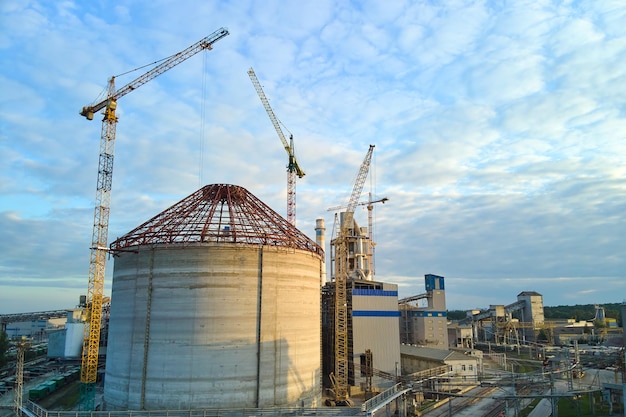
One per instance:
(553,398)
(22,345)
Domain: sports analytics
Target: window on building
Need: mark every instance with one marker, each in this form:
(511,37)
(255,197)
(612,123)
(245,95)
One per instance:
(462,367)
(471,367)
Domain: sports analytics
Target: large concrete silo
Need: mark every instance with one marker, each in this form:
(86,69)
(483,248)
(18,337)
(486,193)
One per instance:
(215,303)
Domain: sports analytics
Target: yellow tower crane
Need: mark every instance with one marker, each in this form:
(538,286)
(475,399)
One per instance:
(97,263)
(293,168)
(339,378)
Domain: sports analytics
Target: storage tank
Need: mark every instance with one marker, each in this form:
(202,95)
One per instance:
(215,303)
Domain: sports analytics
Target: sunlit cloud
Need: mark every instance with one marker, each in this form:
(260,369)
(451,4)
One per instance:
(499,133)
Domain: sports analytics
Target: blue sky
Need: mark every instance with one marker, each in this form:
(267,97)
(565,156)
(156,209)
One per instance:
(499,129)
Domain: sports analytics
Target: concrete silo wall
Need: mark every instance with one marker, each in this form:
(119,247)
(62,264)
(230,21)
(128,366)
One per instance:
(214,326)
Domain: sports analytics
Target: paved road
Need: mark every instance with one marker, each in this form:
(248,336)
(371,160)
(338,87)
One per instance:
(593,379)
(543,409)
(480,408)
(487,405)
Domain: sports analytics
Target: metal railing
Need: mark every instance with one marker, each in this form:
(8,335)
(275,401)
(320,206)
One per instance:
(383,398)
(39,411)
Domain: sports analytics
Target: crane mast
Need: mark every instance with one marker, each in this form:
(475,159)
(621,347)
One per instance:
(340,377)
(370,231)
(97,262)
(293,168)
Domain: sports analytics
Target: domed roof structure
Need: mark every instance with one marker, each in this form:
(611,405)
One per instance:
(215,303)
(218,213)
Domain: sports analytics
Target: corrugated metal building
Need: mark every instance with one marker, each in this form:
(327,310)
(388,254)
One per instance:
(373,325)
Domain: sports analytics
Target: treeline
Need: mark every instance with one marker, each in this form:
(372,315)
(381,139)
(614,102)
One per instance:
(4,349)
(577,312)
(583,312)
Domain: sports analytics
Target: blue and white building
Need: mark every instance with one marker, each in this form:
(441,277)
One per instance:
(372,318)
(424,317)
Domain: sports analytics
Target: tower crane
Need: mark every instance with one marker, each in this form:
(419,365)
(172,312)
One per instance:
(97,262)
(339,378)
(370,227)
(293,168)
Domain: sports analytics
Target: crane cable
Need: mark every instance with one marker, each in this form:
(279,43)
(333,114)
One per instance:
(202,105)
(144,66)
(104,91)
(203,119)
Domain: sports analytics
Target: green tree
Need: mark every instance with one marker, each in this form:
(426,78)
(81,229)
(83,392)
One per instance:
(456,314)
(4,348)
(599,324)
(542,336)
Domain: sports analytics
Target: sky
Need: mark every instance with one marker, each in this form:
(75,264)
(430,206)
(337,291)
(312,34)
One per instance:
(499,128)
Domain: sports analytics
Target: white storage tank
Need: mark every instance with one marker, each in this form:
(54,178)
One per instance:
(215,304)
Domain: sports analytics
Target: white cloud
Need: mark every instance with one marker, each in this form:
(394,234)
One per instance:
(498,131)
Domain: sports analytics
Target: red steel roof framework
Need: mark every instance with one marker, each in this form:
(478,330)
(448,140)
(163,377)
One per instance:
(218,213)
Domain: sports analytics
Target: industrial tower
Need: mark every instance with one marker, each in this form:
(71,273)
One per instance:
(367,271)
(359,316)
(97,263)
(339,378)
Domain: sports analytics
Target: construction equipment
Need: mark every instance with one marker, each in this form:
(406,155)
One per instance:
(97,263)
(370,231)
(293,168)
(339,378)
(21,346)
(370,228)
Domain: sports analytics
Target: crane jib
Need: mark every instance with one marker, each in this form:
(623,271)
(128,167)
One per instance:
(177,58)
